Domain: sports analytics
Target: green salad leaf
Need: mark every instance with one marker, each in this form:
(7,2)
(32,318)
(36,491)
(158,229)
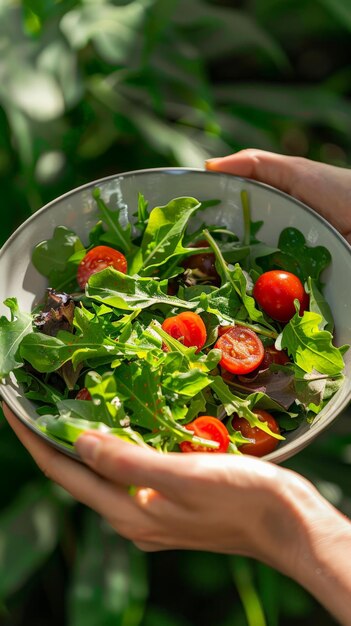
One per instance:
(127,292)
(12,332)
(115,234)
(242,407)
(314,389)
(236,284)
(318,304)
(163,235)
(68,428)
(296,256)
(310,347)
(58,258)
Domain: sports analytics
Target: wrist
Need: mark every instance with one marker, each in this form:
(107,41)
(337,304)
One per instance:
(312,544)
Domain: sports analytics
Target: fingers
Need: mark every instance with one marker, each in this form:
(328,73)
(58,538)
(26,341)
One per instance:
(78,480)
(323,187)
(266,167)
(130,464)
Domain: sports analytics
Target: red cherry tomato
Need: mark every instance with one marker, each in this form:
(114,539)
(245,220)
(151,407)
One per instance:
(207,427)
(204,262)
(275,292)
(242,350)
(188,328)
(83,394)
(262,443)
(98,259)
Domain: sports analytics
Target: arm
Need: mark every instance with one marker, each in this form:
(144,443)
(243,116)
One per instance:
(221,503)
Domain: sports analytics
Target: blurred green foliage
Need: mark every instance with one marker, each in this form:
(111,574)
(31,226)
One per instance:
(92,88)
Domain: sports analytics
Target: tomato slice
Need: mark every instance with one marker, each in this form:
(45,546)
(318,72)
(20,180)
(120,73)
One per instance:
(83,394)
(242,350)
(207,427)
(188,328)
(262,443)
(98,259)
(275,292)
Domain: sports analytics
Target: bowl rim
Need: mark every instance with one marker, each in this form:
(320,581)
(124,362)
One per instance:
(280,454)
(175,170)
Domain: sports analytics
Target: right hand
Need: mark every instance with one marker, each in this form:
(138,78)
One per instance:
(325,188)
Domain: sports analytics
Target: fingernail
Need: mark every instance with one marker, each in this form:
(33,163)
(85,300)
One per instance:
(210,163)
(212,160)
(87,447)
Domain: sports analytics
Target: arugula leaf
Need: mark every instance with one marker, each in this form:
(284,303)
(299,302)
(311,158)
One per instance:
(318,304)
(297,256)
(58,258)
(196,406)
(115,234)
(105,405)
(239,282)
(11,334)
(67,428)
(140,388)
(38,390)
(235,283)
(48,354)
(191,359)
(127,292)
(225,300)
(243,407)
(310,347)
(163,235)
(178,378)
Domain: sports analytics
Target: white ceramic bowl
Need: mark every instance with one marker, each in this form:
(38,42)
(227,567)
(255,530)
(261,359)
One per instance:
(76,210)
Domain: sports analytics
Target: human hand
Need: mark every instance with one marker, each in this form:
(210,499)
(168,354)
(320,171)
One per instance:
(198,501)
(325,188)
(213,502)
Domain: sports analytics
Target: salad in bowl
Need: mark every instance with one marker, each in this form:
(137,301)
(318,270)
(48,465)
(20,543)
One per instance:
(176,324)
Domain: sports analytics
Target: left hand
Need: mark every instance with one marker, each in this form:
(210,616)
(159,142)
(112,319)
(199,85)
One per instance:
(223,503)
(214,502)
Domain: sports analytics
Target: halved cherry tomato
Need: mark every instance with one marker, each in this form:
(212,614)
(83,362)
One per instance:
(98,259)
(223,329)
(207,427)
(83,394)
(242,350)
(262,443)
(188,328)
(275,292)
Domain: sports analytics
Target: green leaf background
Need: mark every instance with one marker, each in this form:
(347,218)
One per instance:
(91,89)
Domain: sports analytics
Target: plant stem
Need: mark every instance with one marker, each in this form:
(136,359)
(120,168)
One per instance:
(242,576)
(246,216)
